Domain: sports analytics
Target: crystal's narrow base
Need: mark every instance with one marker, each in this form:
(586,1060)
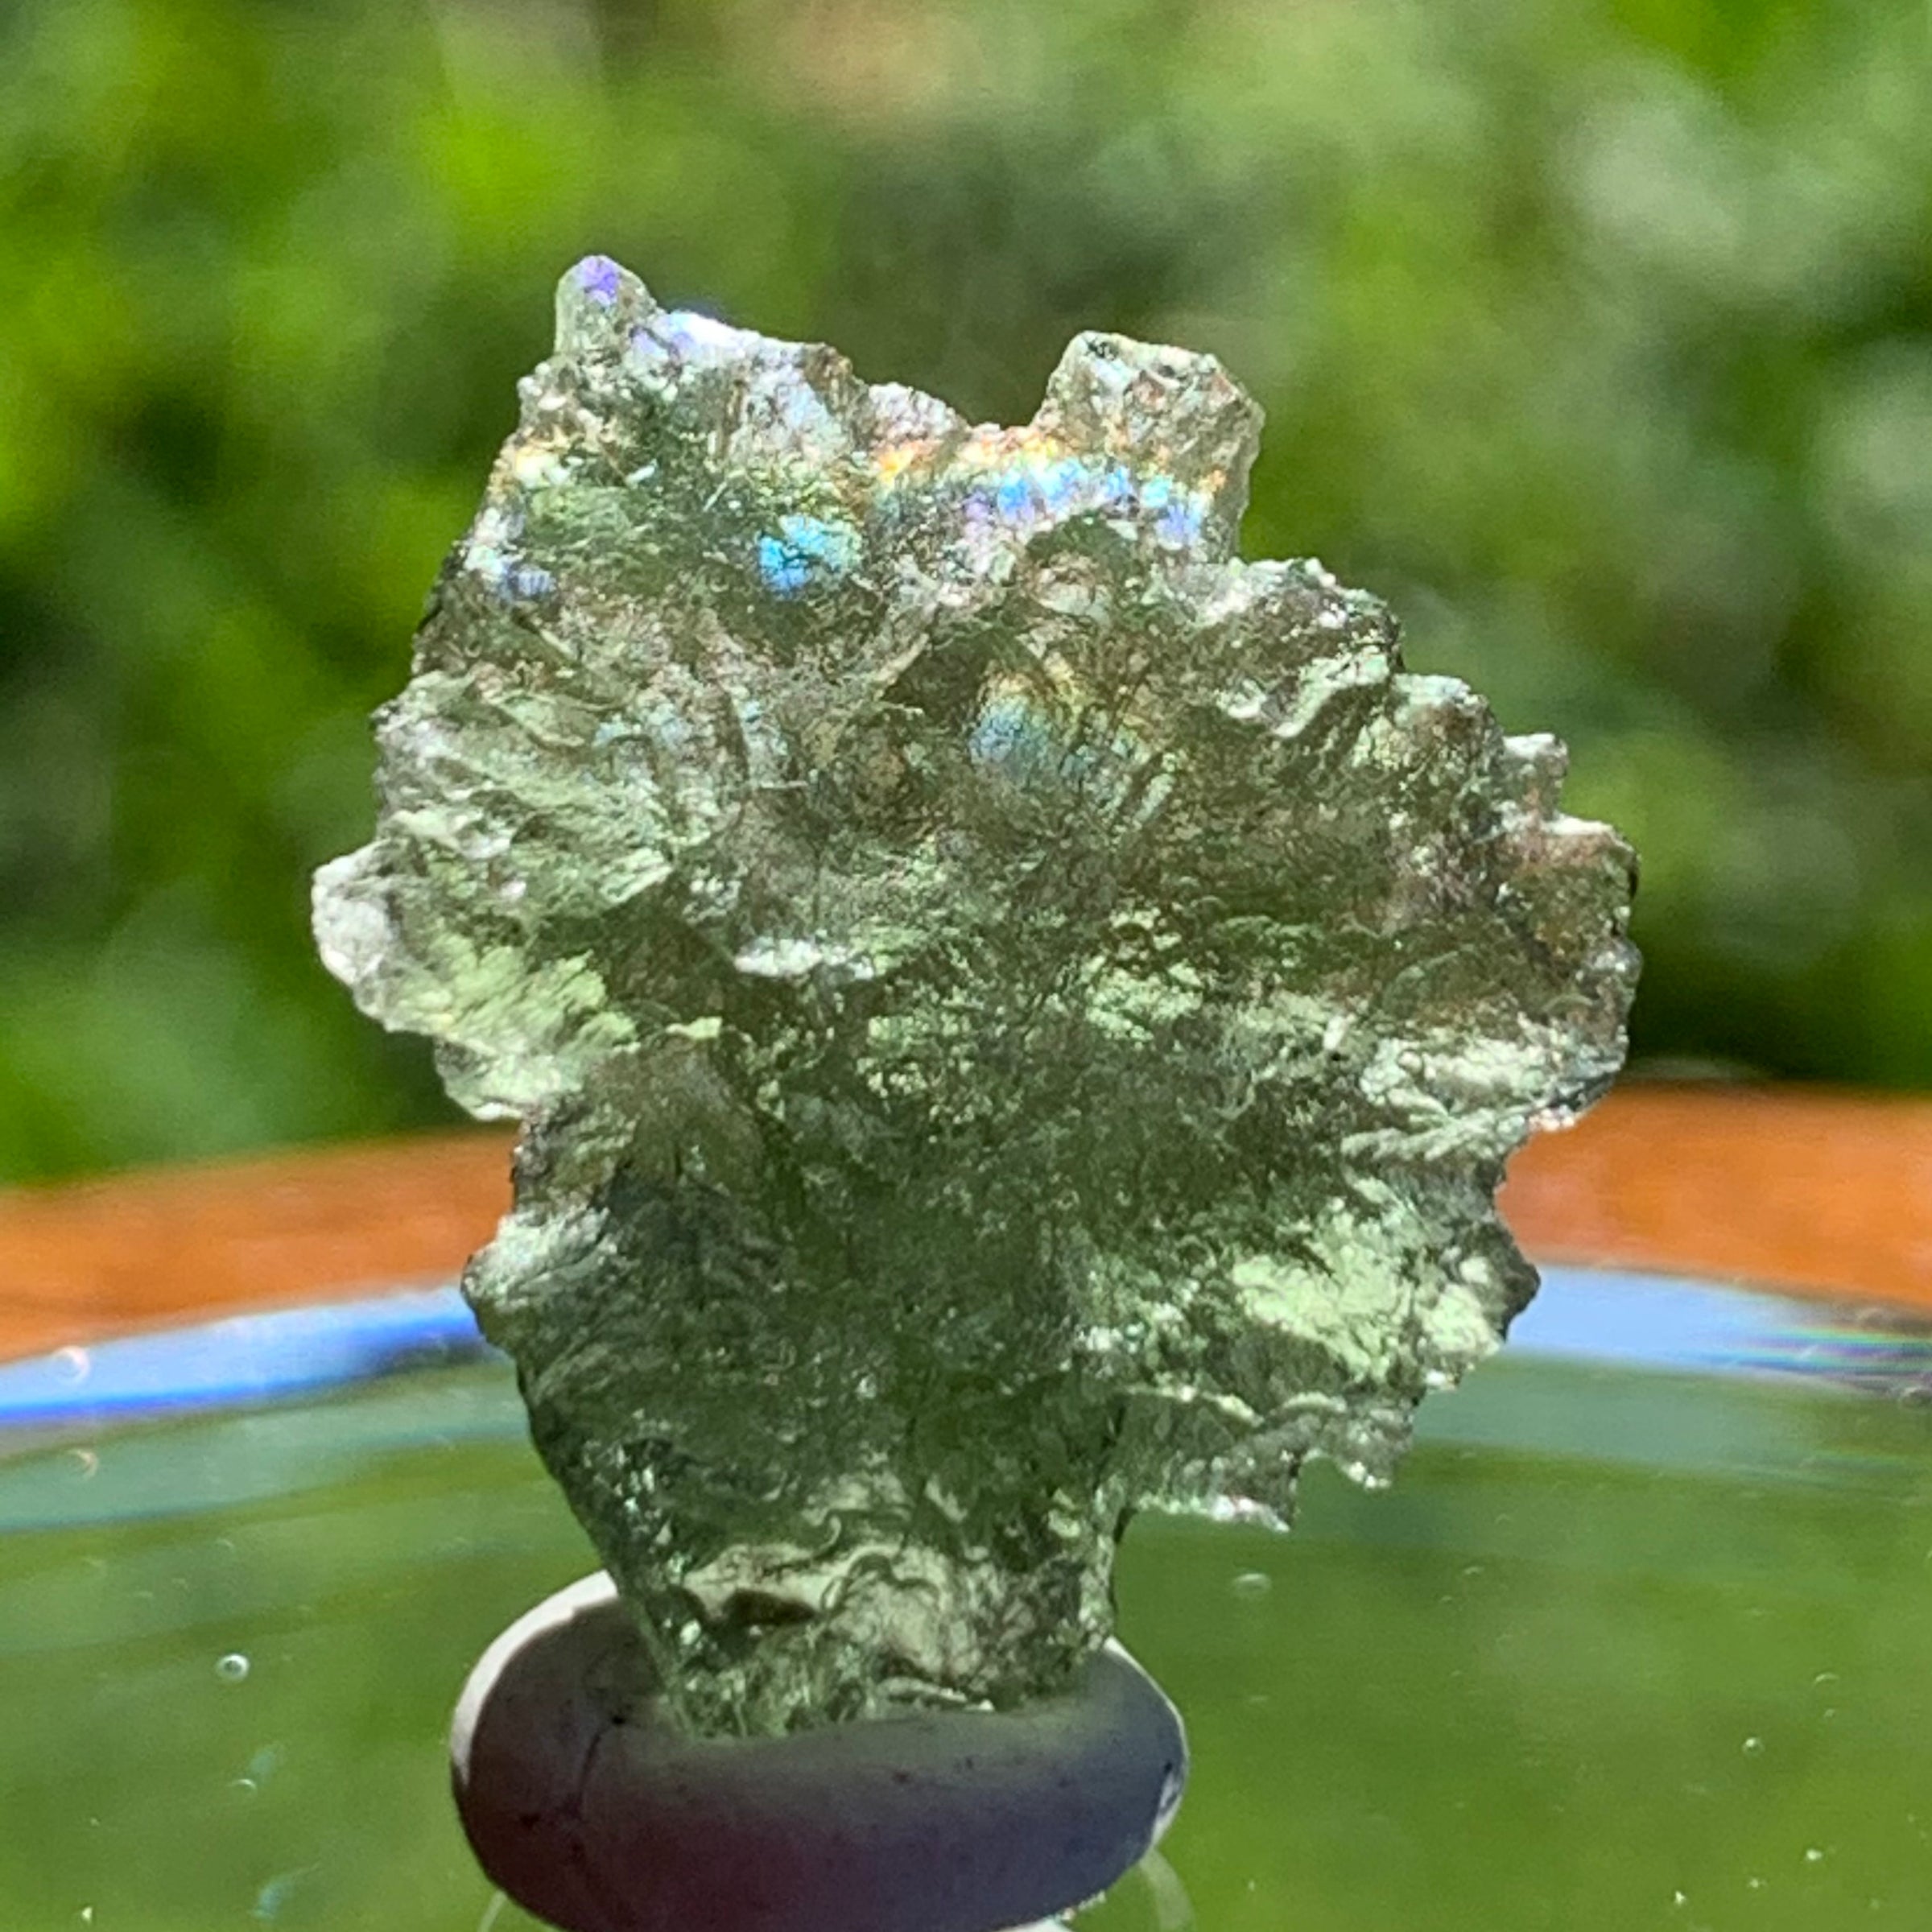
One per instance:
(594,1813)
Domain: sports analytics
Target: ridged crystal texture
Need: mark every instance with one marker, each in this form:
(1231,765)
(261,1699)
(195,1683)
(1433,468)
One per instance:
(1017,1014)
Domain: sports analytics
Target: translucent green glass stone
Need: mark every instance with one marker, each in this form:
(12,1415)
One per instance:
(1018,1015)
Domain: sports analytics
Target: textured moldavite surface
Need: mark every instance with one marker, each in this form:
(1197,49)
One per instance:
(1018,1014)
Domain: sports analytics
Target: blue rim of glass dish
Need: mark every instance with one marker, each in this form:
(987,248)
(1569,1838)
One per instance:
(1598,1317)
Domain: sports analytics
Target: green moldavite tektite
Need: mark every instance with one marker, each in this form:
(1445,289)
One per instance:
(1017,1014)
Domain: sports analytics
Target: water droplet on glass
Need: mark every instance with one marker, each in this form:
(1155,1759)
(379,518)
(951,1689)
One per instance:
(273,1895)
(1253,1583)
(1754,1747)
(233,1668)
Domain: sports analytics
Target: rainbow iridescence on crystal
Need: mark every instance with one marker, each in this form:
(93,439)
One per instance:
(1018,1015)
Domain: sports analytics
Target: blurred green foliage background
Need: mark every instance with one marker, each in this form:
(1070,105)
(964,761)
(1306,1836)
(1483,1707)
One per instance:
(1596,335)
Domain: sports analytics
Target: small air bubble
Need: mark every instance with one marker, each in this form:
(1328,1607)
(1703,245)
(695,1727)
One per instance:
(233,1668)
(1754,1747)
(1815,1855)
(75,1364)
(1253,1583)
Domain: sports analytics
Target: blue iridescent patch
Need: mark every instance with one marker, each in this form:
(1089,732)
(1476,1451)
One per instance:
(782,568)
(1013,496)
(804,549)
(1179,523)
(597,275)
(1015,738)
(1064,484)
(693,333)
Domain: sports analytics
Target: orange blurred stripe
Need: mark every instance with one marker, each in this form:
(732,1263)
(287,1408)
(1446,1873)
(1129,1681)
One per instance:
(1823,1193)
(82,1261)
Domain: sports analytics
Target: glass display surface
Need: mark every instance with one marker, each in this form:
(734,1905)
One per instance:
(1637,1639)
